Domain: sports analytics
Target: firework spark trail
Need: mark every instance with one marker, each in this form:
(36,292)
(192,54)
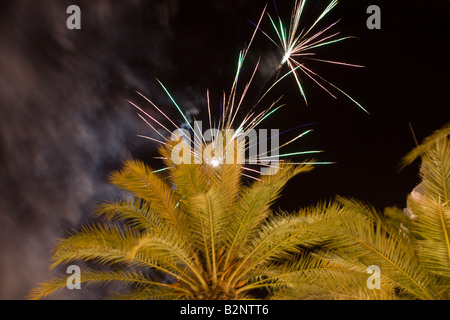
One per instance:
(286,131)
(296,43)
(242,56)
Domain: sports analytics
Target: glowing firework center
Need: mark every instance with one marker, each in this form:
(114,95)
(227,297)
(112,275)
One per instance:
(216,147)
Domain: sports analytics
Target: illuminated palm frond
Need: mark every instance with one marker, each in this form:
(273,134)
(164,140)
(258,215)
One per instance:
(298,43)
(428,142)
(206,237)
(429,206)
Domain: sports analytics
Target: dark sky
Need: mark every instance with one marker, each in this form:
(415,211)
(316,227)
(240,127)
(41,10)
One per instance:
(65,124)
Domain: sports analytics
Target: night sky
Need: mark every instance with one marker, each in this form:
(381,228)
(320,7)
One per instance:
(65,123)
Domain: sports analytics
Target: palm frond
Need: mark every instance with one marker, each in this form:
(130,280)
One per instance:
(254,203)
(95,277)
(189,180)
(276,240)
(209,222)
(373,244)
(149,293)
(230,182)
(139,179)
(435,171)
(393,220)
(112,245)
(166,249)
(135,213)
(431,227)
(397,218)
(428,142)
(429,204)
(102,243)
(328,277)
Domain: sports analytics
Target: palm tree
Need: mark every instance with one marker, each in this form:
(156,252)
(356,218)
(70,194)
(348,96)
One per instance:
(197,233)
(412,250)
(429,205)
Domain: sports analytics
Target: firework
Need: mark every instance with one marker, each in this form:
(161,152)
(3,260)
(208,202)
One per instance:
(298,43)
(232,103)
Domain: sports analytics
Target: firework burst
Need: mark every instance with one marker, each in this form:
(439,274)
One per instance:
(231,105)
(298,43)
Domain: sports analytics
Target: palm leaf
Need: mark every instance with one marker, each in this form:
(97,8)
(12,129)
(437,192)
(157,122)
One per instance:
(425,145)
(373,244)
(230,176)
(208,220)
(432,228)
(327,276)
(135,213)
(430,206)
(150,293)
(109,244)
(95,277)
(277,239)
(254,204)
(101,243)
(189,180)
(435,172)
(144,184)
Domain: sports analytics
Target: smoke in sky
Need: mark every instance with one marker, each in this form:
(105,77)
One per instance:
(64,121)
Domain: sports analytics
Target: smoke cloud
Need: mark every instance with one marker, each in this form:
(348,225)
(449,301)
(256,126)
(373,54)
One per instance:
(64,121)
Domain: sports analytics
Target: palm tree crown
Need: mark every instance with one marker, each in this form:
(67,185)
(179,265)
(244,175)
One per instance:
(202,233)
